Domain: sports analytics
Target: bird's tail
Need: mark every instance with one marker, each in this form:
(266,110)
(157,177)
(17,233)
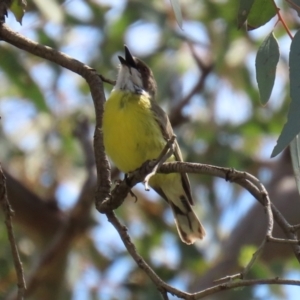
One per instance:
(188,225)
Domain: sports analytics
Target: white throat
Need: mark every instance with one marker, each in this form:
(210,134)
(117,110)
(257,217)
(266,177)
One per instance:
(129,79)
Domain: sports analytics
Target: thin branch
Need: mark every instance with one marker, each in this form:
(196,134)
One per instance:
(282,20)
(242,283)
(176,112)
(247,181)
(78,220)
(142,174)
(122,230)
(164,155)
(104,79)
(8,212)
(104,201)
(255,256)
(96,87)
(282,241)
(82,133)
(295,228)
(164,294)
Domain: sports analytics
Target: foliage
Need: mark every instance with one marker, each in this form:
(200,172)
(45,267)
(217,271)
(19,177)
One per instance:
(207,83)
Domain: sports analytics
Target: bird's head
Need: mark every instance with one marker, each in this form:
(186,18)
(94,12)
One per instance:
(135,76)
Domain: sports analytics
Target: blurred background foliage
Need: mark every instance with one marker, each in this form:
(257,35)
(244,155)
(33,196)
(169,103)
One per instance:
(206,82)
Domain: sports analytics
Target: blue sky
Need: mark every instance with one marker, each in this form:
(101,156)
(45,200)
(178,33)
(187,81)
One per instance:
(80,46)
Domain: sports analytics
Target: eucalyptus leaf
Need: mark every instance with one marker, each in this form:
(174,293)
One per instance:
(18,8)
(292,126)
(266,62)
(177,12)
(243,12)
(295,154)
(261,12)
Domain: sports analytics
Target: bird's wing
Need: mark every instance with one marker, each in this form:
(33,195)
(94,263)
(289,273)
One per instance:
(167,132)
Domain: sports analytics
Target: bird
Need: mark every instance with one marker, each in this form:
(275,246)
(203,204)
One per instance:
(136,129)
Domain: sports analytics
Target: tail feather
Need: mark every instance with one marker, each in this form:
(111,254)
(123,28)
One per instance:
(188,225)
(171,188)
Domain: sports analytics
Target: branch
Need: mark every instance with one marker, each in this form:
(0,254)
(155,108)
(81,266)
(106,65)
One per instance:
(282,20)
(247,181)
(77,222)
(176,113)
(241,283)
(8,212)
(96,88)
(164,288)
(103,197)
(164,155)
(160,284)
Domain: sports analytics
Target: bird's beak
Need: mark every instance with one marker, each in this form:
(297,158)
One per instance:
(128,61)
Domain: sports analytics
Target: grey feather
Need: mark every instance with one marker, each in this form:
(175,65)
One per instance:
(167,131)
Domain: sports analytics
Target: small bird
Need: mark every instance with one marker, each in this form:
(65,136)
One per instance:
(136,129)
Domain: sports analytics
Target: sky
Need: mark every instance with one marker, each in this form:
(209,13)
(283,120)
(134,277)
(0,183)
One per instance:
(68,191)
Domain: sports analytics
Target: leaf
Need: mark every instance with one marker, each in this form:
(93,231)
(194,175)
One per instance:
(21,79)
(261,12)
(177,12)
(292,126)
(52,11)
(266,62)
(295,154)
(243,12)
(18,8)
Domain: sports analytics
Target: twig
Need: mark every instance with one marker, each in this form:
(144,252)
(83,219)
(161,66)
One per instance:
(294,5)
(282,20)
(255,256)
(254,183)
(161,285)
(82,132)
(295,228)
(247,181)
(120,192)
(103,183)
(96,87)
(229,277)
(8,212)
(167,152)
(176,112)
(164,294)
(78,220)
(104,79)
(282,241)
(242,283)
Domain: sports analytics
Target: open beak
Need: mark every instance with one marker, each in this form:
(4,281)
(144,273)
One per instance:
(128,61)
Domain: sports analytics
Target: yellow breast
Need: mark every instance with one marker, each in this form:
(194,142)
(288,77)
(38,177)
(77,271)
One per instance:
(131,133)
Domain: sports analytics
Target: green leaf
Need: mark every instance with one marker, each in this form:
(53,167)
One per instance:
(292,126)
(19,77)
(18,8)
(52,11)
(295,154)
(246,254)
(243,12)
(261,12)
(266,62)
(177,12)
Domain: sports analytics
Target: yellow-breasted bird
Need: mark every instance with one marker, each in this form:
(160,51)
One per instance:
(136,129)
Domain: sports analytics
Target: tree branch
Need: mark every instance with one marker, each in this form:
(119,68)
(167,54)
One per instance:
(106,202)
(8,212)
(96,88)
